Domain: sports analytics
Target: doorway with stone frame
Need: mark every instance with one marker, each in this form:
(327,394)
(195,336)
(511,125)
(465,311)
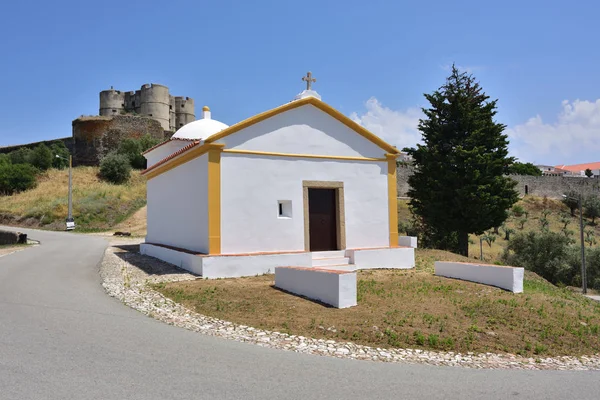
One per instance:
(324,219)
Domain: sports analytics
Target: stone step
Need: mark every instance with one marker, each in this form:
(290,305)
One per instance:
(318,262)
(329,254)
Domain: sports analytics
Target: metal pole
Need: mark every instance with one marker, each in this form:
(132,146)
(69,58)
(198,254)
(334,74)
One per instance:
(481,249)
(583,277)
(70,216)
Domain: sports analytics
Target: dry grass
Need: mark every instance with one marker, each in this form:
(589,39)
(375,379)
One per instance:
(412,309)
(97,205)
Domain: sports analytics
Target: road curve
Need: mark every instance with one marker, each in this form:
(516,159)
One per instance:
(62,337)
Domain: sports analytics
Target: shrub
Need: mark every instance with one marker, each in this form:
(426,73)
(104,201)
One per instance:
(115,168)
(518,210)
(20,156)
(41,157)
(5,159)
(16,178)
(545,253)
(570,200)
(133,149)
(60,149)
(591,208)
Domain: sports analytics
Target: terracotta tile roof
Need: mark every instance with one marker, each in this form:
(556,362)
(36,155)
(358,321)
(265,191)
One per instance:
(165,142)
(579,167)
(172,156)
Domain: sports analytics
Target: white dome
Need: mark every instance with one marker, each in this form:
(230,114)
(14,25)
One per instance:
(201,128)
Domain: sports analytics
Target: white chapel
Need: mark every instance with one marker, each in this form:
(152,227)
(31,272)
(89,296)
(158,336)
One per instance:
(298,185)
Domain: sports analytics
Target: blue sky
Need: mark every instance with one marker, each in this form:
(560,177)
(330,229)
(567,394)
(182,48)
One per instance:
(373,61)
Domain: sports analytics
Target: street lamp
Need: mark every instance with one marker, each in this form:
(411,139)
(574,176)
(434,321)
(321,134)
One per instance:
(583,273)
(70,221)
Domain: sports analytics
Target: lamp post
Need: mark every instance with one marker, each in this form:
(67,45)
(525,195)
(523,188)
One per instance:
(583,272)
(70,221)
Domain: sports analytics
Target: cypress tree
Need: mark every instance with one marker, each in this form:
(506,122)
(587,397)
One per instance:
(459,185)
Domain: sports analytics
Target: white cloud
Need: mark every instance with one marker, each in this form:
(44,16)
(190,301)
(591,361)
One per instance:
(398,128)
(573,138)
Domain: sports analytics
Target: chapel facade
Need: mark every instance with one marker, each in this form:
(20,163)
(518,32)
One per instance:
(291,186)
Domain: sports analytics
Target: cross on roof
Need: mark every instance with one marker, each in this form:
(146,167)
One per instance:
(309,80)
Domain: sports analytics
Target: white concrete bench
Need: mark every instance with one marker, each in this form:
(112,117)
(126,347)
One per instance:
(509,278)
(407,241)
(336,288)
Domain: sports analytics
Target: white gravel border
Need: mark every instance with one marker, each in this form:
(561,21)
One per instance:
(126,277)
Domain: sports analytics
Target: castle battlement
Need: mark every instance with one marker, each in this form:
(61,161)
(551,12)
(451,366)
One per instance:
(151,100)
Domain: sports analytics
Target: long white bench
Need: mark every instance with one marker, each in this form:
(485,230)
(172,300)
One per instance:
(333,287)
(509,278)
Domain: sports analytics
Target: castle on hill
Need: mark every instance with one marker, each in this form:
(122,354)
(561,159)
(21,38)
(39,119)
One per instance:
(152,100)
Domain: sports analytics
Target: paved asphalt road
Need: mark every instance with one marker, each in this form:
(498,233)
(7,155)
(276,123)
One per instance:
(62,337)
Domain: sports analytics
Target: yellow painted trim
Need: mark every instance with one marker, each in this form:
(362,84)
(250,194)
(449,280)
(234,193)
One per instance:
(189,155)
(392,199)
(271,153)
(298,103)
(214,201)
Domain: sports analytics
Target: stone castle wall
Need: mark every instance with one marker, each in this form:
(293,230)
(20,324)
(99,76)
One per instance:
(68,141)
(152,100)
(549,186)
(94,137)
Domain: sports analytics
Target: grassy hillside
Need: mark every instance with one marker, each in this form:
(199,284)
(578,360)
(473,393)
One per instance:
(97,205)
(534,211)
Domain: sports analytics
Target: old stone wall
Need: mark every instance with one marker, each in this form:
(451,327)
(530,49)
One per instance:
(550,186)
(94,137)
(68,141)
(556,186)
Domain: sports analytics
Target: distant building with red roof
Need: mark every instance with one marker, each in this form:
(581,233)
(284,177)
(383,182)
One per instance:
(579,169)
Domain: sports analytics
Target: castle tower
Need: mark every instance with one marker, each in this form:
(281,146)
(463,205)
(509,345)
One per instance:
(155,103)
(112,102)
(184,111)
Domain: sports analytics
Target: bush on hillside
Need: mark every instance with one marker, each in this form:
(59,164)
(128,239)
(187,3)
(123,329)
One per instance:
(41,157)
(570,200)
(115,168)
(60,149)
(545,253)
(16,178)
(5,159)
(21,156)
(133,149)
(591,208)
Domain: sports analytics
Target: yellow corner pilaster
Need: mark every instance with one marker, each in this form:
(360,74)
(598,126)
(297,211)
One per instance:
(392,199)
(214,198)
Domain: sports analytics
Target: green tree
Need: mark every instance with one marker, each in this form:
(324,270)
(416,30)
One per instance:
(16,178)
(589,173)
(20,156)
(132,149)
(60,149)
(115,168)
(5,159)
(591,208)
(570,199)
(459,185)
(545,253)
(519,168)
(41,157)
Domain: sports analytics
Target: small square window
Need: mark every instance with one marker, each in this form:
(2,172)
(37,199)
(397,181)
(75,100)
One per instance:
(284,209)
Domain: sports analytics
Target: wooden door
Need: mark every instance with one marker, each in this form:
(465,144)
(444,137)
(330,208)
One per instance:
(322,220)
